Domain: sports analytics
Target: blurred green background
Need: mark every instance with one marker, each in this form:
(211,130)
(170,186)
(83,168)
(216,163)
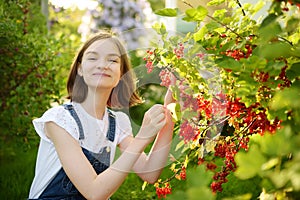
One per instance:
(37,43)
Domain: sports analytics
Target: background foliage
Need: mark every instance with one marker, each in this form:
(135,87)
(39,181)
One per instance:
(258,70)
(33,64)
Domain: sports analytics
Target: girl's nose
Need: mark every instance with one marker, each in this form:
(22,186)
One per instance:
(102,64)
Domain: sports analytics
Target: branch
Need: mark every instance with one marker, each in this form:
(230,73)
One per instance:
(219,22)
(240,5)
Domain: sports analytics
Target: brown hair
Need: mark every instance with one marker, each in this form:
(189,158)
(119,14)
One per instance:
(123,95)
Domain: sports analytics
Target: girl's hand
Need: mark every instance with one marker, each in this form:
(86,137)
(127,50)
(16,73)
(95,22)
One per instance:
(154,120)
(169,95)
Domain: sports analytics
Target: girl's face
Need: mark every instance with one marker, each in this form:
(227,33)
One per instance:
(101,65)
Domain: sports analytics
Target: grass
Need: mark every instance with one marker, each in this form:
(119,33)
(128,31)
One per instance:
(17,171)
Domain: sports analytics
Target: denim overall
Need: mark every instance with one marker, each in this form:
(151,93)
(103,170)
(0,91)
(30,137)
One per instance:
(61,188)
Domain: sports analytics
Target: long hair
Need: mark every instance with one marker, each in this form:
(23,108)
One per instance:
(124,95)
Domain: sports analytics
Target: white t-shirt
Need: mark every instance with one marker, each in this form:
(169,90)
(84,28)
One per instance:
(95,130)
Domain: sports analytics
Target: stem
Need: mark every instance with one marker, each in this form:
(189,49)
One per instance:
(244,129)
(290,43)
(240,5)
(211,17)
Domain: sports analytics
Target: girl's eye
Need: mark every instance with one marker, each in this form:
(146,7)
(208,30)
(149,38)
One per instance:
(91,58)
(115,60)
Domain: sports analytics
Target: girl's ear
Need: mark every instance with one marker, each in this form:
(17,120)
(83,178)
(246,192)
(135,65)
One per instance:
(79,70)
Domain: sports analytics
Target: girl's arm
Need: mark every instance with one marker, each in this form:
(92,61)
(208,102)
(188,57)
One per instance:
(150,167)
(80,171)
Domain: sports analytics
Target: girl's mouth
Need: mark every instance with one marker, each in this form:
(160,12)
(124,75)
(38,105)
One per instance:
(101,74)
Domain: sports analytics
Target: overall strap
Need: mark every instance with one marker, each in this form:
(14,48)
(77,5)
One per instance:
(112,126)
(110,135)
(70,108)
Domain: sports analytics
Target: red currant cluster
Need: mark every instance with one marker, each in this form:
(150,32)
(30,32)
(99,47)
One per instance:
(165,76)
(214,108)
(235,108)
(187,100)
(263,77)
(243,143)
(200,55)
(219,177)
(204,106)
(211,166)
(282,76)
(182,173)
(149,61)
(219,105)
(179,51)
(188,132)
(254,117)
(291,2)
(246,120)
(226,150)
(238,54)
(258,122)
(162,191)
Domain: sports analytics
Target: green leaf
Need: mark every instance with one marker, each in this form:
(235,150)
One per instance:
(168,12)
(255,62)
(220,13)
(204,192)
(199,35)
(174,108)
(195,14)
(271,163)
(292,25)
(295,179)
(258,6)
(293,71)
(144,185)
(215,2)
(249,164)
(269,31)
(179,145)
(198,177)
(275,50)
(279,113)
(268,20)
(177,195)
(279,178)
(189,114)
(274,67)
(247,196)
(276,145)
(229,63)
(288,98)
(160,28)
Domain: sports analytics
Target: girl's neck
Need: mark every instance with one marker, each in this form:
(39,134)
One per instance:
(95,104)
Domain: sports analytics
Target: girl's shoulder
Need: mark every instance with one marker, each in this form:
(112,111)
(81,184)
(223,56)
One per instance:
(56,109)
(59,115)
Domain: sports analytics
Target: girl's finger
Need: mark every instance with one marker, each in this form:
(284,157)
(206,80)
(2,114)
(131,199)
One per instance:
(159,118)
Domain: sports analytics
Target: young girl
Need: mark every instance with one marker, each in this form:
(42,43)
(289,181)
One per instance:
(79,139)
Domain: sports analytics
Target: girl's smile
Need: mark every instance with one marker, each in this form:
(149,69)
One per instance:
(101,61)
